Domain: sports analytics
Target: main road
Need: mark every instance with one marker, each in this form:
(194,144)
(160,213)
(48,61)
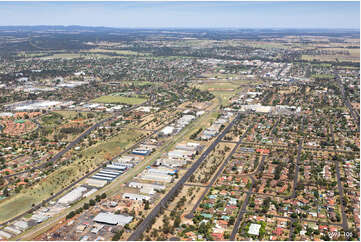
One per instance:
(346,100)
(162,204)
(245,203)
(190,215)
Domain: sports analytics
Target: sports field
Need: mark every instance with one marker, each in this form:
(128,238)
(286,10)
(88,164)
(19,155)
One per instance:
(119,99)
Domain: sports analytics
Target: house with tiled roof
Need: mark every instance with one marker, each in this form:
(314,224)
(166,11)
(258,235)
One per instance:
(278,231)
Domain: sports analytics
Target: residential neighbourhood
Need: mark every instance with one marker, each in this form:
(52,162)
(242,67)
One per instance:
(113,134)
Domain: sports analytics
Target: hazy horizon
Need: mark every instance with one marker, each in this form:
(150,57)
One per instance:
(235,15)
(195,28)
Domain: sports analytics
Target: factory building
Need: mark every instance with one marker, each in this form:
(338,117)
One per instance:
(136,197)
(143,185)
(112,219)
(72,196)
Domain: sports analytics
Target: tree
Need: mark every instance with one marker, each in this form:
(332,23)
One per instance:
(6,192)
(70,215)
(146,204)
(91,202)
(86,206)
(116,237)
(177,222)
(231,220)
(166,228)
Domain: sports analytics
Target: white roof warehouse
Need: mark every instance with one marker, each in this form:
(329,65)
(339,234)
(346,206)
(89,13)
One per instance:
(113,219)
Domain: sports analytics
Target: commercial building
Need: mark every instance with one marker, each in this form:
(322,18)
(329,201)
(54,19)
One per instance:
(254,229)
(112,219)
(39,217)
(4,235)
(189,147)
(148,191)
(171,162)
(12,230)
(102,178)
(136,197)
(95,182)
(143,152)
(21,225)
(35,104)
(143,185)
(120,166)
(166,131)
(90,192)
(181,154)
(109,173)
(128,159)
(157,177)
(162,170)
(72,196)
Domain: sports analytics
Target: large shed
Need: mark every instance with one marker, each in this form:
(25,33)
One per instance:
(112,219)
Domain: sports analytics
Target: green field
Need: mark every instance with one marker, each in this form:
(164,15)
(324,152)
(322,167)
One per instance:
(119,52)
(139,83)
(21,202)
(119,99)
(323,76)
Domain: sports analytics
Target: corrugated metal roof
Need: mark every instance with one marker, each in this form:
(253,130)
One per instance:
(111,218)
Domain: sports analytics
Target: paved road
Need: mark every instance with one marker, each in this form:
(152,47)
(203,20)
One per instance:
(196,185)
(147,222)
(304,148)
(220,170)
(249,193)
(295,179)
(340,191)
(245,203)
(354,114)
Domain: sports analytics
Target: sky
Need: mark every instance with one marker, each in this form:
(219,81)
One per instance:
(184,14)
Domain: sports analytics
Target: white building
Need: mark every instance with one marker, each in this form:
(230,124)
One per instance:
(112,219)
(171,162)
(148,191)
(254,229)
(142,185)
(21,225)
(166,131)
(180,154)
(4,235)
(157,177)
(72,196)
(136,197)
